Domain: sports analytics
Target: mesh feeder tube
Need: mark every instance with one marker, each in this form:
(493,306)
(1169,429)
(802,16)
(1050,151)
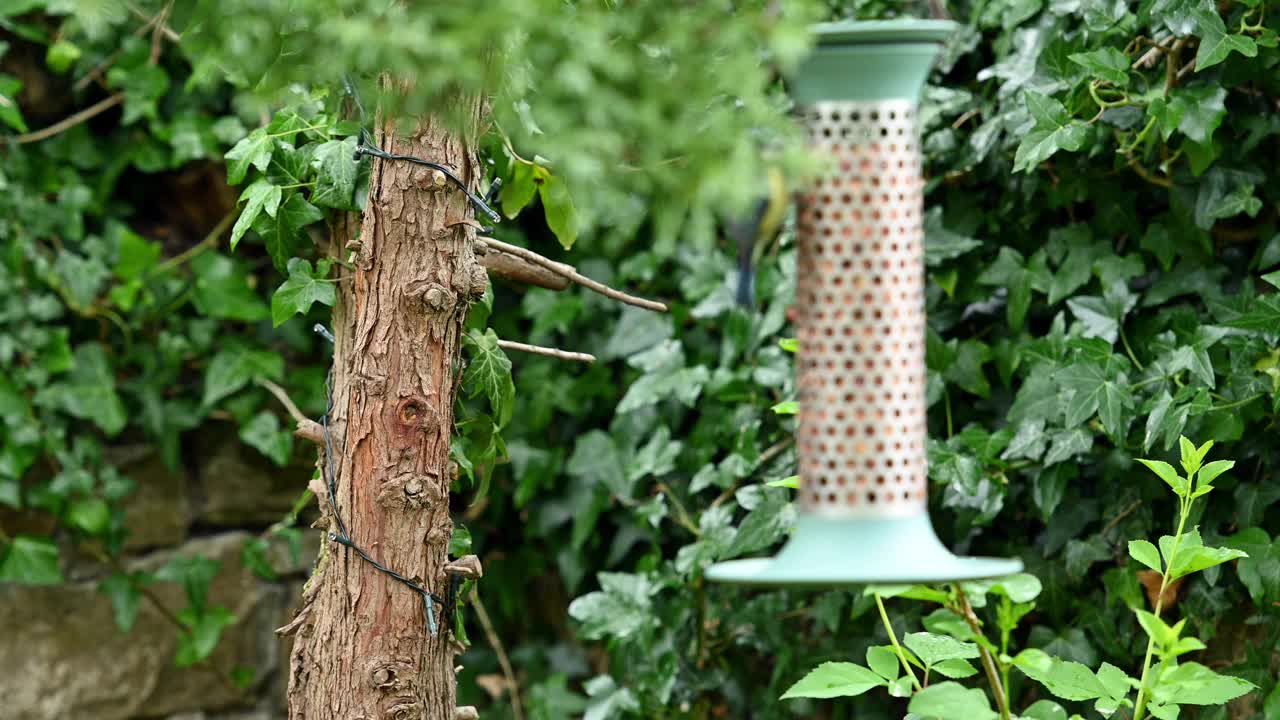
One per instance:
(860,369)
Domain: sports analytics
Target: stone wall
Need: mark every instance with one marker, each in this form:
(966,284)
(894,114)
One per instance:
(62,656)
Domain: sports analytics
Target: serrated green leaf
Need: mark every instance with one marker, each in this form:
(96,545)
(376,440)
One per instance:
(1211,471)
(884,661)
(951,701)
(1167,473)
(1191,683)
(1066,679)
(1145,553)
(955,669)
(835,679)
(932,649)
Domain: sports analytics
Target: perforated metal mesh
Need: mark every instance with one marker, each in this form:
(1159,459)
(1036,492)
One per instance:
(860,315)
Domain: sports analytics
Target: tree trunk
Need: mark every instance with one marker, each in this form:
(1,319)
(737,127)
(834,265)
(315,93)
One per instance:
(362,650)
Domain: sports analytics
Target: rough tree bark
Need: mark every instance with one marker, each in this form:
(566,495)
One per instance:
(362,650)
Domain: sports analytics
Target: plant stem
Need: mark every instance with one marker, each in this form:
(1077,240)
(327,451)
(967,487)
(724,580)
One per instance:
(1128,350)
(682,515)
(1238,403)
(1140,705)
(209,241)
(946,397)
(893,638)
(988,662)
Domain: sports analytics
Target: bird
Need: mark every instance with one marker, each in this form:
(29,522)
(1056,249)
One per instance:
(755,231)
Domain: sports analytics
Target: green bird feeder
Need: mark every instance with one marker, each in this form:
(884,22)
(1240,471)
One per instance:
(860,369)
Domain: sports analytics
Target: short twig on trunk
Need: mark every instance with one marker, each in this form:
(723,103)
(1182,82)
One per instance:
(571,274)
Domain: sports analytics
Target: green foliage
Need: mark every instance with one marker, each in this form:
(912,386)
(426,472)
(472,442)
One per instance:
(1094,241)
(1160,690)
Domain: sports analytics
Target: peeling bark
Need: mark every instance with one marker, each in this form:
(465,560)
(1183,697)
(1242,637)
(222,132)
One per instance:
(362,650)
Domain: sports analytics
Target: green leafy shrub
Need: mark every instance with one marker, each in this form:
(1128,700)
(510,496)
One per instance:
(955,636)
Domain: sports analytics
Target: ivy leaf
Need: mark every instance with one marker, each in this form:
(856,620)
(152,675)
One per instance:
(1145,553)
(1260,571)
(89,392)
(124,596)
(951,701)
(223,289)
(1054,130)
(1191,683)
(1166,418)
(282,233)
(263,432)
(835,679)
(622,607)
(336,174)
(489,372)
(204,629)
(234,367)
(1107,63)
(941,244)
(301,290)
(135,256)
(261,196)
(557,204)
(252,151)
(966,371)
(765,525)
(30,561)
(1201,109)
(143,86)
(1011,271)
(89,515)
(1217,44)
(1067,444)
(1091,390)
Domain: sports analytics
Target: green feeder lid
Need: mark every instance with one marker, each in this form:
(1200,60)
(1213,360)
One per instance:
(841,552)
(870,60)
(906,30)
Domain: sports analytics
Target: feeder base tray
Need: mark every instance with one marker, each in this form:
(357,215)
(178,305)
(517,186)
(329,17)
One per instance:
(837,552)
